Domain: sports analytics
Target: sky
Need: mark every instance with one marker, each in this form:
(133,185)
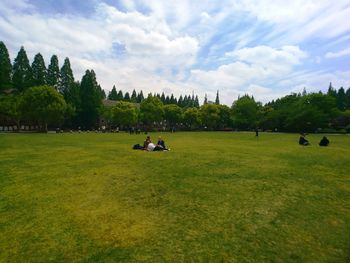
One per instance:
(265,48)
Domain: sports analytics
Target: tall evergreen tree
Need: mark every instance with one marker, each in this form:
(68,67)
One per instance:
(66,77)
(127,97)
(134,96)
(113,95)
(22,72)
(5,68)
(90,100)
(205,99)
(53,72)
(347,98)
(341,99)
(217,100)
(39,70)
(162,98)
(196,102)
(140,97)
(331,91)
(120,95)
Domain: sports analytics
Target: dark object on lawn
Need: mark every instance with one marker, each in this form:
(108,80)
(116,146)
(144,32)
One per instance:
(303,141)
(324,141)
(137,147)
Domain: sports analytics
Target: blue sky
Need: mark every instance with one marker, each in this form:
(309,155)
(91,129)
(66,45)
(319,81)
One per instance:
(267,48)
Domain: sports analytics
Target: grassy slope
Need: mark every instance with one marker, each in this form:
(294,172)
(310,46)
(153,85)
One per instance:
(213,197)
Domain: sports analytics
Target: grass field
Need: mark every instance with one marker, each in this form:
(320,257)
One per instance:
(215,197)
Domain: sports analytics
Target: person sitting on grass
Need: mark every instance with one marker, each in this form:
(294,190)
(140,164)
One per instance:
(161,143)
(324,141)
(303,141)
(146,142)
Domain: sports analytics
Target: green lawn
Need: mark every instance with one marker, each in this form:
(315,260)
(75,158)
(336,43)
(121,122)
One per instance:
(215,197)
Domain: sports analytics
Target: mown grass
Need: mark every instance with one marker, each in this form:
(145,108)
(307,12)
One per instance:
(215,197)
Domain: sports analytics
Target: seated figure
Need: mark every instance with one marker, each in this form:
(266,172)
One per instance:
(324,141)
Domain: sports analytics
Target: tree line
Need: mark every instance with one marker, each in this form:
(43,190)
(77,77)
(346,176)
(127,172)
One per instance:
(33,94)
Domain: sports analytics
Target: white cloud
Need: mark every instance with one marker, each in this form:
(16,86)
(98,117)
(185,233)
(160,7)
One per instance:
(341,53)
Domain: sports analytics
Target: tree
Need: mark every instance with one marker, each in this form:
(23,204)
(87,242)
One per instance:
(124,114)
(151,110)
(43,105)
(225,117)
(245,112)
(341,99)
(39,70)
(205,99)
(5,68)
(53,72)
(196,102)
(172,114)
(217,101)
(72,98)
(22,72)
(191,118)
(210,115)
(9,109)
(120,95)
(127,97)
(134,96)
(140,97)
(113,95)
(90,100)
(66,77)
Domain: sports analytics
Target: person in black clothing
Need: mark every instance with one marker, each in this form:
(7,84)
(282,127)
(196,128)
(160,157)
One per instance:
(161,143)
(324,141)
(256,132)
(303,141)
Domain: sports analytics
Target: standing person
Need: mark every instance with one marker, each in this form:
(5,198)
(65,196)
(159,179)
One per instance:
(324,141)
(256,132)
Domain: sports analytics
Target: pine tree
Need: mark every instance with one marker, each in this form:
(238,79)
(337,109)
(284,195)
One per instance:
(205,99)
(172,99)
(162,98)
(39,70)
(120,95)
(347,93)
(133,96)
(66,77)
(196,102)
(331,91)
(180,101)
(304,93)
(140,97)
(113,95)
(341,99)
(127,97)
(22,72)
(53,72)
(90,95)
(217,100)
(167,100)
(5,68)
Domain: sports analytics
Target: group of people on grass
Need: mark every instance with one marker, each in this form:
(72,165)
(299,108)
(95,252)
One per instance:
(148,145)
(304,142)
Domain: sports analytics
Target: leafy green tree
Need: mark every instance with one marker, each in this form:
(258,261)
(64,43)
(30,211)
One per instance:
(172,114)
(66,77)
(53,72)
(192,118)
(245,112)
(113,95)
(39,70)
(9,109)
(90,100)
(124,114)
(5,68)
(151,110)
(43,105)
(22,77)
(225,116)
(210,115)
(73,100)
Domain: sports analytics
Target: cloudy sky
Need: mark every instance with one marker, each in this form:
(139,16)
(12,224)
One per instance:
(268,48)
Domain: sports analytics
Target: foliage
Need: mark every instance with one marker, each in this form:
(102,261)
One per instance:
(22,76)
(192,118)
(245,113)
(44,105)
(124,114)
(151,110)
(39,71)
(172,114)
(53,72)
(210,115)
(5,68)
